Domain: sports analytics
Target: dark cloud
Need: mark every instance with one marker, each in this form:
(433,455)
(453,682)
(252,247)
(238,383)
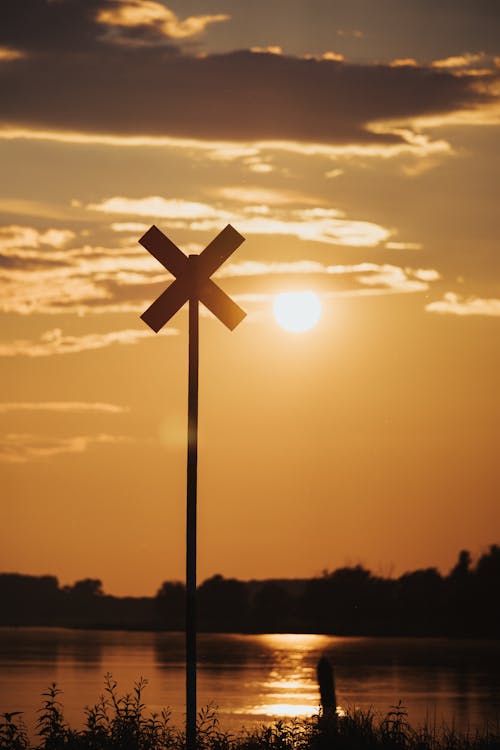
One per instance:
(33,25)
(83,81)
(64,25)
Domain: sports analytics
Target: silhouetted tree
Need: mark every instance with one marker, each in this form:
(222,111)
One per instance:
(488,565)
(347,601)
(223,605)
(421,602)
(87,588)
(340,602)
(486,602)
(352,590)
(462,568)
(316,607)
(271,608)
(459,602)
(171,604)
(28,600)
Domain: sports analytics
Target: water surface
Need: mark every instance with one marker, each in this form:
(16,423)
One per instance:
(253,679)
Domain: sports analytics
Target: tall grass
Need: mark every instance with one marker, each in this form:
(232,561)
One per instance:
(122,722)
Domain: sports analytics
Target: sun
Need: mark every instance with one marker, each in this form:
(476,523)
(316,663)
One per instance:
(297,311)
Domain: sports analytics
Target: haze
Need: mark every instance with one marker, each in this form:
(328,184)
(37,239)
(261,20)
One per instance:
(358,154)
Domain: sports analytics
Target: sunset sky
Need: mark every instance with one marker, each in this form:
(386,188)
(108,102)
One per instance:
(354,144)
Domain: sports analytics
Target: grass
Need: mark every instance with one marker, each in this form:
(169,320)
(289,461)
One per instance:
(122,723)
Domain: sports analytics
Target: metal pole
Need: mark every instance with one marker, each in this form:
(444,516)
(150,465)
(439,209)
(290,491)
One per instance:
(192,463)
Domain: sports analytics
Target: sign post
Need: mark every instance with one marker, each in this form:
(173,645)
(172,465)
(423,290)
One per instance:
(192,284)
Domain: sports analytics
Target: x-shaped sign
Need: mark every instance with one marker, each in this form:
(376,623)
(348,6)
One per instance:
(192,277)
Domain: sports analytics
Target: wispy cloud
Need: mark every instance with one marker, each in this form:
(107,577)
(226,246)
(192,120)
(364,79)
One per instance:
(315,224)
(403,245)
(255,155)
(331,282)
(16,237)
(258,196)
(393,279)
(265,268)
(471,61)
(453,304)
(327,229)
(357,279)
(129,226)
(159,207)
(39,278)
(65,407)
(75,279)
(55,342)
(22,447)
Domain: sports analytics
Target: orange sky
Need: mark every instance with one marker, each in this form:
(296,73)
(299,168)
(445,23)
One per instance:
(358,164)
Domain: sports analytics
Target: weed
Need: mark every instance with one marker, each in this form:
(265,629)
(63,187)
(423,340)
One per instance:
(13,735)
(121,722)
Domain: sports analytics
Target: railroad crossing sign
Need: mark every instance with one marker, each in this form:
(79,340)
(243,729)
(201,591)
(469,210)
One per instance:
(192,282)
(192,277)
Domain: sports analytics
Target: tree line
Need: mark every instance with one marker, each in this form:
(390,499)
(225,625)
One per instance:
(347,601)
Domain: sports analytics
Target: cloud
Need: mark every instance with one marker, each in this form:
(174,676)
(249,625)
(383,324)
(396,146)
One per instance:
(7,54)
(76,78)
(54,342)
(471,60)
(36,26)
(404,62)
(315,224)
(102,280)
(18,237)
(76,279)
(152,20)
(129,226)
(258,196)
(39,278)
(22,447)
(468,63)
(158,207)
(253,154)
(332,173)
(403,245)
(265,268)
(328,230)
(272,50)
(65,407)
(453,304)
(426,274)
(332,56)
(27,287)
(358,279)
(388,278)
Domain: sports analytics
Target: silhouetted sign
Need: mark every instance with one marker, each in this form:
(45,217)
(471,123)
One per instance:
(192,282)
(192,277)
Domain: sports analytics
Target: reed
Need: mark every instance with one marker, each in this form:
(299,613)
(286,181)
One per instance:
(122,722)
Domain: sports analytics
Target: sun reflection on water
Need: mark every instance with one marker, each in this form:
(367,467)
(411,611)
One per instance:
(288,710)
(297,641)
(290,689)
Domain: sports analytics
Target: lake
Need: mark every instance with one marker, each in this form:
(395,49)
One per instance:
(254,679)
